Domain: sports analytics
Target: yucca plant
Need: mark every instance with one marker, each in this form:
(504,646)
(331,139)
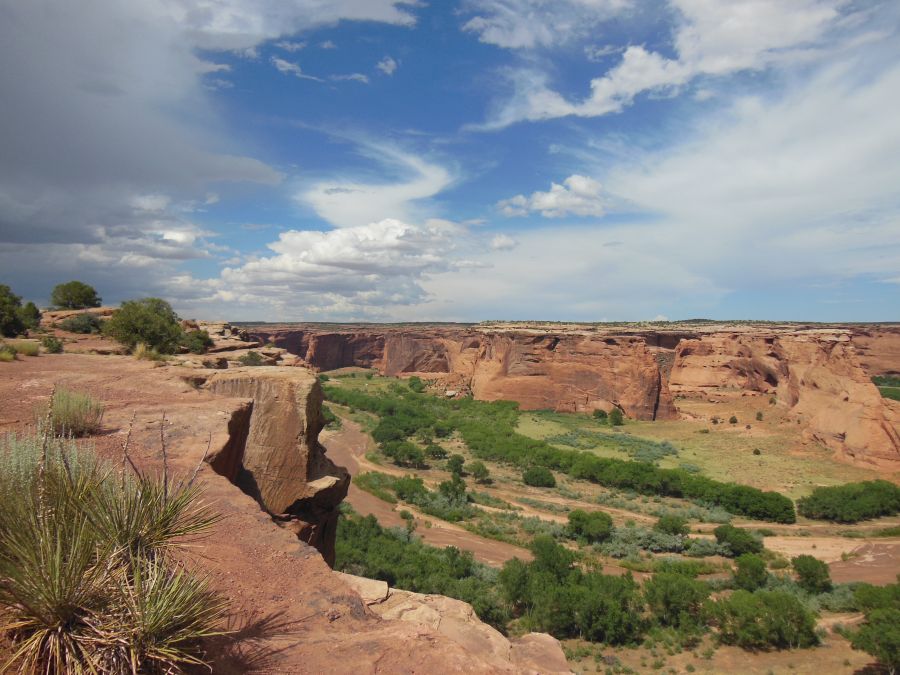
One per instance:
(73,413)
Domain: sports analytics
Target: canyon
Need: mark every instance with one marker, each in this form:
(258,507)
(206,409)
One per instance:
(821,374)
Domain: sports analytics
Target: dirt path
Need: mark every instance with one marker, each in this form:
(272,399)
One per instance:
(348,447)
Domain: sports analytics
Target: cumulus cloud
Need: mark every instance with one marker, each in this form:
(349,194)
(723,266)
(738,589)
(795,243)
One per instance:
(387,65)
(526,24)
(350,201)
(503,242)
(578,196)
(712,38)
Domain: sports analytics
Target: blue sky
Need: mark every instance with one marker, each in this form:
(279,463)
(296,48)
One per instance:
(462,160)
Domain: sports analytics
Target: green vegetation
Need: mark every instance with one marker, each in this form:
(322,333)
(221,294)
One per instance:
(74,295)
(591,528)
(763,620)
(888,385)
(739,541)
(538,476)
(51,344)
(23,347)
(672,524)
(367,549)
(676,599)
(88,580)
(416,384)
(10,317)
(640,449)
(149,321)
(852,502)
(30,316)
(81,323)
(73,413)
(455,464)
(479,472)
(197,341)
(450,502)
(812,574)
(880,637)
(488,429)
(7,353)
(751,573)
(616,417)
(251,358)
(600,414)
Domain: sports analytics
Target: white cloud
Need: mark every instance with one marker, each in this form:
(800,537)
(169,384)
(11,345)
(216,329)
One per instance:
(578,195)
(290,68)
(289,46)
(387,65)
(712,38)
(503,242)
(350,201)
(351,77)
(526,24)
(328,44)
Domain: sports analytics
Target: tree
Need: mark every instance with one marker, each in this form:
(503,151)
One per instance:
(812,574)
(593,527)
(616,418)
(455,464)
(454,490)
(30,315)
(10,319)
(764,619)
(740,541)
(675,599)
(197,341)
(600,414)
(880,637)
(435,451)
(74,295)
(150,321)
(751,572)
(415,383)
(538,476)
(672,524)
(479,472)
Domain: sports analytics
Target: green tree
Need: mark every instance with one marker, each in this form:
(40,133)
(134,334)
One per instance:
(538,476)
(880,637)
(454,490)
(740,541)
(672,524)
(455,464)
(592,527)
(763,620)
(10,319)
(675,599)
(197,341)
(479,471)
(751,572)
(435,451)
(415,383)
(149,321)
(30,315)
(812,574)
(74,295)
(600,414)
(616,418)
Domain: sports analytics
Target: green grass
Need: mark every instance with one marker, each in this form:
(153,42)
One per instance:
(24,347)
(75,413)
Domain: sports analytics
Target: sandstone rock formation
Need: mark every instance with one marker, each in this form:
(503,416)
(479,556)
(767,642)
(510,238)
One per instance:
(274,454)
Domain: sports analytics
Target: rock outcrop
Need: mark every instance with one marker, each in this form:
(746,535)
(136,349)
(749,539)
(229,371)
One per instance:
(274,454)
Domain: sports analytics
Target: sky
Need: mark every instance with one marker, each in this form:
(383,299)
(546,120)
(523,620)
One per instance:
(456,160)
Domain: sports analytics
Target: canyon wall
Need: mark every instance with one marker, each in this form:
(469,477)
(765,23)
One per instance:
(821,374)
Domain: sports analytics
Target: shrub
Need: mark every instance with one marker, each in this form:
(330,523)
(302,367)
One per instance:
(51,344)
(81,323)
(759,416)
(732,420)
(144,353)
(197,341)
(880,637)
(150,321)
(24,347)
(812,574)
(672,524)
(538,476)
(616,417)
(30,315)
(852,502)
(416,384)
(738,540)
(675,599)
(751,572)
(434,451)
(763,620)
(251,358)
(78,598)
(592,527)
(10,318)
(74,414)
(600,414)
(479,471)
(7,353)
(74,295)
(323,378)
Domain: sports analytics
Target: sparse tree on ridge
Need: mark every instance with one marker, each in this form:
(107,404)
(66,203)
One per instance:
(75,295)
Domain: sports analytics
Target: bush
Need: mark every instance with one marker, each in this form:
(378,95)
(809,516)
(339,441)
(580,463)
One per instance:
(732,420)
(74,414)
(880,637)
(83,587)
(675,599)
(7,353)
(24,347)
(30,316)
(434,451)
(479,472)
(672,524)
(416,384)
(600,414)
(538,476)
(149,321)
(51,344)
(738,540)
(197,341)
(592,527)
(763,620)
(616,417)
(751,572)
(759,416)
(455,464)
(251,358)
(812,574)
(74,295)
(10,317)
(81,323)
(852,502)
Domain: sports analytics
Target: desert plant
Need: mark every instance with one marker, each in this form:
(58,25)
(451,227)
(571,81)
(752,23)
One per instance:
(733,420)
(538,476)
(51,344)
(7,353)
(197,341)
(81,323)
(24,347)
(74,295)
(10,317)
(74,413)
(150,321)
(252,358)
(479,471)
(671,523)
(616,417)
(30,315)
(751,572)
(812,574)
